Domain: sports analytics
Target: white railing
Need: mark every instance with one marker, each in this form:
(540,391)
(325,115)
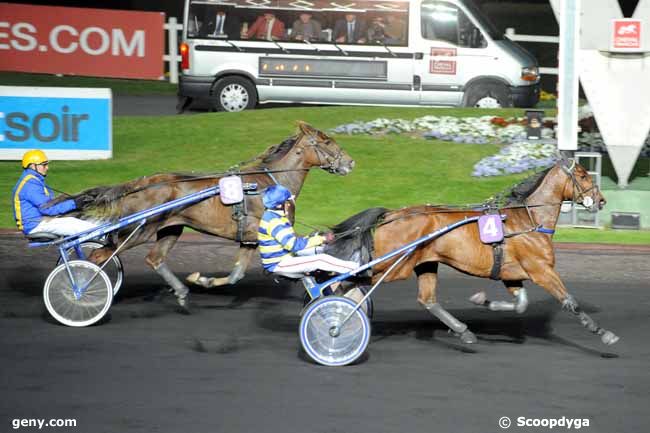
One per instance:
(510,33)
(172,57)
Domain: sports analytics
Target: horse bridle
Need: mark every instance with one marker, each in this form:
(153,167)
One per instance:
(583,197)
(332,160)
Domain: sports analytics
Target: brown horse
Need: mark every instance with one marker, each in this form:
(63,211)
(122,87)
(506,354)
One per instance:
(531,210)
(287,164)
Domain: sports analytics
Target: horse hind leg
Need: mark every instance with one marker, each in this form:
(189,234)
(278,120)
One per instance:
(244,256)
(166,239)
(427,274)
(516,289)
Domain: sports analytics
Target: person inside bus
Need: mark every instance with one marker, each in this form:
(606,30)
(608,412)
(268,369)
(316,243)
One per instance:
(33,212)
(388,30)
(306,29)
(350,30)
(194,25)
(376,32)
(282,251)
(394,30)
(267,27)
(222,24)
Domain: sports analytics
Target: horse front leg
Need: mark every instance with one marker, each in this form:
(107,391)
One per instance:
(166,239)
(549,279)
(427,274)
(516,289)
(244,256)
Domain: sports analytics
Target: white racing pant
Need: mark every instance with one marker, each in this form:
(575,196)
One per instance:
(309,263)
(63,226)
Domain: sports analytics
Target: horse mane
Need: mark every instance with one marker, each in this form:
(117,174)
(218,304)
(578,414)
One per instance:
(271,154)
(355,239)
(521,191)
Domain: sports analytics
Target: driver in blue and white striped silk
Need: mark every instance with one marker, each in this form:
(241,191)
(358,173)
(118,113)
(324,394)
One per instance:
(284,252)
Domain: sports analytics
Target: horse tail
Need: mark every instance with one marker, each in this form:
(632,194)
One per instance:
(354,236)
(102,203)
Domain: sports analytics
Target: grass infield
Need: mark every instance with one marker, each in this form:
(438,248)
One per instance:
(391,171)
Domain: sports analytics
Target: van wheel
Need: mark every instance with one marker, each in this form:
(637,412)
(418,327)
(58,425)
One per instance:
(233,94)
(488,95)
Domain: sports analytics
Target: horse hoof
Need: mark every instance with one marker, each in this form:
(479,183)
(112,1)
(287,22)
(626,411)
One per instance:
(184,305)
(478,298)
(193,278)
(468,337)
(198,280)
(609,338)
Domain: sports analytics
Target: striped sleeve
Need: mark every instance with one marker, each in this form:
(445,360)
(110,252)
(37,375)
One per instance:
(283,232)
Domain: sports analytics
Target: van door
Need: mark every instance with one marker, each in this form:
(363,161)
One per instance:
(453,51)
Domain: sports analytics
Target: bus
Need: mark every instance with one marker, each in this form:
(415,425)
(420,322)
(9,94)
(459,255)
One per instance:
(240,53)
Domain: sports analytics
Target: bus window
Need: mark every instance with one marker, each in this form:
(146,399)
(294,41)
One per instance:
(443,21)
(281,21)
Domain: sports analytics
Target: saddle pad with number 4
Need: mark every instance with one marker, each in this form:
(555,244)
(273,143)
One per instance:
(490,228)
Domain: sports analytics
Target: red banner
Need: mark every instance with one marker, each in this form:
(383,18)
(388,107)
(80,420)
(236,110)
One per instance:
(79,41)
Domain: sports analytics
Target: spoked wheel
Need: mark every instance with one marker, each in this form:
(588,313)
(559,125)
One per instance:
(114,269)
(356,293)
(91,301)
(324,336)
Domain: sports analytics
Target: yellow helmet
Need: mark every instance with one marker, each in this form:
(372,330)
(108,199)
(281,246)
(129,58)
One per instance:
(33,157)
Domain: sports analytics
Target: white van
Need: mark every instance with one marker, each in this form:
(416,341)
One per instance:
(238,53)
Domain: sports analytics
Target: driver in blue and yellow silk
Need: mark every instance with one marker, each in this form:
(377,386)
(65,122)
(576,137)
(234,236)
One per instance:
(282,251)
(31,196)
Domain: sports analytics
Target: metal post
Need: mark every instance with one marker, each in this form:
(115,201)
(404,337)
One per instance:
(567,104)
(173,57)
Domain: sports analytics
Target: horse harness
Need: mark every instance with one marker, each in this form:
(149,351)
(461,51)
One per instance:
(240,210)
(332,160)
(497,247)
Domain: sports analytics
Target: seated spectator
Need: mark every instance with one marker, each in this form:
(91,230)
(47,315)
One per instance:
(306,29)
(350,30)
(222,24)
(266,27)
(394,30)
(376,31)
(194,26)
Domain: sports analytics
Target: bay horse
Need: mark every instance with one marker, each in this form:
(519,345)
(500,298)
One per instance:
(287,164)
(531,212)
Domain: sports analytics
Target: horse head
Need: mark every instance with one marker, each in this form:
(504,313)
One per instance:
(580,186)
(322,151)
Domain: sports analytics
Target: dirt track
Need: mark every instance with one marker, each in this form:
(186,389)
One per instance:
(234,365)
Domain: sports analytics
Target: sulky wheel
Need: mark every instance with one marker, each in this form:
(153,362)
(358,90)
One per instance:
(91,301)
(324,336)
(114,269)
(356,293)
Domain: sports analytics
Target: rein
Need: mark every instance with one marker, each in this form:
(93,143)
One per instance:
(452,209)
(490,204)
(210,176)
(332,161)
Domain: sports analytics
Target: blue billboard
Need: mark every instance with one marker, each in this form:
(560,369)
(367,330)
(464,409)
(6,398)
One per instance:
(66,123)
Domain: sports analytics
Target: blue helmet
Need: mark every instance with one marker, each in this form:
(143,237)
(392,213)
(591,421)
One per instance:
(275,195)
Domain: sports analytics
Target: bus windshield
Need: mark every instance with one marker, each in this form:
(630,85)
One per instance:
(482,20)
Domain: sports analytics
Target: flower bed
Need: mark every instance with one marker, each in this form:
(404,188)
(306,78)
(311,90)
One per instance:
(517,158)
(518,155)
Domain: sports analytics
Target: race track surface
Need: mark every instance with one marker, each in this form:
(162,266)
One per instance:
(235,364)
